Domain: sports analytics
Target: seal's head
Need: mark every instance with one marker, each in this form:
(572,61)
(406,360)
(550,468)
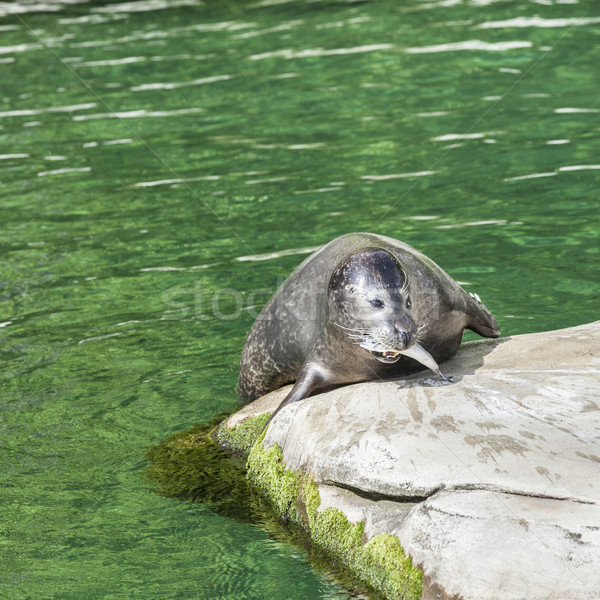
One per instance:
(369,300)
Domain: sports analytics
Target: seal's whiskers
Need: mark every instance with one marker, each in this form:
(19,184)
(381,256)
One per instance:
(359,329)
(358,333)
(406,285)
(419,335)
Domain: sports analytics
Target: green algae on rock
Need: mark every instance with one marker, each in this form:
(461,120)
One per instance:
(379,562)
(242,437)
(189,465)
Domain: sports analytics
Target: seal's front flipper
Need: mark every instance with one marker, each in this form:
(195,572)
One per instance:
(480,319)
(308,382)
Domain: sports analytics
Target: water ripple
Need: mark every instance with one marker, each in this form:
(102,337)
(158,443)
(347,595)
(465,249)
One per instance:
(563,169)
(320,191)
(19,48)
(336,24)
(538,22)
(315,52)
(182,57)
(177,180)
(110,63)
(117,142)
(90,19)
(98,338)
(283,27)
(305,146)
(396,176)
(271,255)
(145,5)
(436,113)
(17,8)
(530,176)
(268,180)
(169,269)
(568,110)
(451,137)
(157,34)
(473,224)
(579,168)
(179,84)
(65,171)
(134,114)
(162,269)
(469,45)
(28,112)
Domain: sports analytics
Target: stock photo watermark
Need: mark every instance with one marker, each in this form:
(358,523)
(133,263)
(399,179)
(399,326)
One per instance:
(224,304)
(202,302)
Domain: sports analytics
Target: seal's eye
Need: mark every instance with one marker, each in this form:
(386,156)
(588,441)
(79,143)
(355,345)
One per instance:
(408,303)
(351,290)
(376,303)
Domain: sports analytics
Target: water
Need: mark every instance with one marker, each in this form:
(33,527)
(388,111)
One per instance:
(161,170)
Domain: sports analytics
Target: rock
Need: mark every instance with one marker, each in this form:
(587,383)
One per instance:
(491,483)
(482,544)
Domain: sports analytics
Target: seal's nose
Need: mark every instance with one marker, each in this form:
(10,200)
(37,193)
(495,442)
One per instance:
(403,336)
(406,337)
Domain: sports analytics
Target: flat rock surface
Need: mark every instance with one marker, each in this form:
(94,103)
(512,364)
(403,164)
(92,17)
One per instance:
(492,483)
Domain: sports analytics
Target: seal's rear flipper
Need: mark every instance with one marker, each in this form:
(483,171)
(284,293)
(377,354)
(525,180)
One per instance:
(480,319)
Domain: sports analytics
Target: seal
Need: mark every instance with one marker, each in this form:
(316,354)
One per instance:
(363,307)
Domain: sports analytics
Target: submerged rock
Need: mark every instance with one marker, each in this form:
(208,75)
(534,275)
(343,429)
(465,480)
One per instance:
(490,484)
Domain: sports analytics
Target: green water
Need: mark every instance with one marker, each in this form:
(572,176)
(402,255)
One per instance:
(146,154)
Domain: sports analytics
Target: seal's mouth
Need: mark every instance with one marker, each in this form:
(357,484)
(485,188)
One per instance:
(381,350)
(388,356)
